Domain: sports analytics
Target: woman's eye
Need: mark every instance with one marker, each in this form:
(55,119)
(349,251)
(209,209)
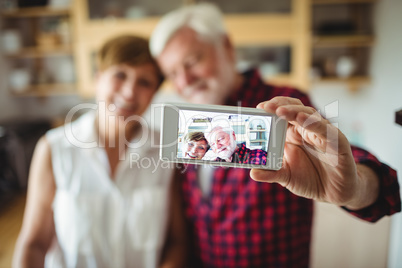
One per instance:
(120,75)
(145,83)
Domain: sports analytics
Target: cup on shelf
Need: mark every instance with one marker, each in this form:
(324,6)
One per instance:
(345,67)
(19,80)
(64,71)
(11,41)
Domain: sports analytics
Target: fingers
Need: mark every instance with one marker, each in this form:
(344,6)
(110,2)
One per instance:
(286,107)
(294,111)
(271,105)
(314,123)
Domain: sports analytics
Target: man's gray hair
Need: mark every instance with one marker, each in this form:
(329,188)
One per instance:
(204,18)
(227,129)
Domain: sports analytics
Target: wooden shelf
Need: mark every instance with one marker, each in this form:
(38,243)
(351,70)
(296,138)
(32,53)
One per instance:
(35,12)
(335,2)
(343,40)
(46,90)
(353,83)
(39,52)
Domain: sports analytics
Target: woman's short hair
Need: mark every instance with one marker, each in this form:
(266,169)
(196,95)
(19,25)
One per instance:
(126,49)
(195,136)
(204,18)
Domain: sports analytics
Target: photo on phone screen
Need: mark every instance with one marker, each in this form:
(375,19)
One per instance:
(230,137)
(222,136)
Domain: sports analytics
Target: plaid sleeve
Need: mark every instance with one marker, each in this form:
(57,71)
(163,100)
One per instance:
(389,200)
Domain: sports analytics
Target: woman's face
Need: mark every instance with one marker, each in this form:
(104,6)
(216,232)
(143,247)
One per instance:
(126,90)
(195,149)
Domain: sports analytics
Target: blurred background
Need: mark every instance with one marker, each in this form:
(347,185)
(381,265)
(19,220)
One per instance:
(346,54)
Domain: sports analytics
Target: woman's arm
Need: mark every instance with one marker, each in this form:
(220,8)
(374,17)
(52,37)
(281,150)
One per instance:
(38,227)
(175,251)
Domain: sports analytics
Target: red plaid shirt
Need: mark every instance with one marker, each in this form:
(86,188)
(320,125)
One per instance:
(244,223)
(246,156)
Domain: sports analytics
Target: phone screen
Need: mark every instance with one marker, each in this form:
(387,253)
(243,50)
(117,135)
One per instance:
(223,137)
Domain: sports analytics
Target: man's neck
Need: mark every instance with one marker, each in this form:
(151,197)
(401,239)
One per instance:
(234,88)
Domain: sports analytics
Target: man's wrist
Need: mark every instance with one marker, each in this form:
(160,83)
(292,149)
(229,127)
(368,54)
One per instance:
(367,189)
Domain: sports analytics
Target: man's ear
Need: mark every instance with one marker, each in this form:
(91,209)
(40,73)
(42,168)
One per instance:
(229,48)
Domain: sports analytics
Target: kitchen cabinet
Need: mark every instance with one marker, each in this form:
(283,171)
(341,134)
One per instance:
(342,40)
(38,49)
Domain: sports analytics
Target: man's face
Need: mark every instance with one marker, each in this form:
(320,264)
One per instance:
(222,143)
(195,149)
(202,72)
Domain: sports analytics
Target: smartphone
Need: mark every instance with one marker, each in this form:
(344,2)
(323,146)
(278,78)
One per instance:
(219,135)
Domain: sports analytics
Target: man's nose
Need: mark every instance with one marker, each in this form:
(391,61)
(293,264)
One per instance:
(184,78)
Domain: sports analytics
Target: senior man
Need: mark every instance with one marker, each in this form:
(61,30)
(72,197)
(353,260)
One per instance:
(223,143)
(236,221)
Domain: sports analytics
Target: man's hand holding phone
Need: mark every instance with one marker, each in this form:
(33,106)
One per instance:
(318,161)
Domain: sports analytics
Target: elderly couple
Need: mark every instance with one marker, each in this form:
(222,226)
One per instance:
(87,207)
(222,141)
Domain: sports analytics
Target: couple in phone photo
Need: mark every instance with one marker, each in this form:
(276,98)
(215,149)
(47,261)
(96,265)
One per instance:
(220,145)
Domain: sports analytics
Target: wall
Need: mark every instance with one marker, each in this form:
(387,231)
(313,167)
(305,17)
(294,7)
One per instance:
(367,117)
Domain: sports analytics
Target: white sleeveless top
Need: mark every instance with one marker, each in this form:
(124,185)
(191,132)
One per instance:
(100,222)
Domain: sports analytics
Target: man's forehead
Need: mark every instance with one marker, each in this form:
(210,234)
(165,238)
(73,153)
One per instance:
(188,41)
(219,132)
(179,47)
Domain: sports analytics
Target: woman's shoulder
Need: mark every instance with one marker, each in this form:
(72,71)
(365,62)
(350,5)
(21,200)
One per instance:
(80,130)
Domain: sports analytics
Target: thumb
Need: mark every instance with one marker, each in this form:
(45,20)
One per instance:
(271,176)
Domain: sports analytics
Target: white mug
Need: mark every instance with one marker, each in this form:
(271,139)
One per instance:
(19,80)
(11,41)
(345,66)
